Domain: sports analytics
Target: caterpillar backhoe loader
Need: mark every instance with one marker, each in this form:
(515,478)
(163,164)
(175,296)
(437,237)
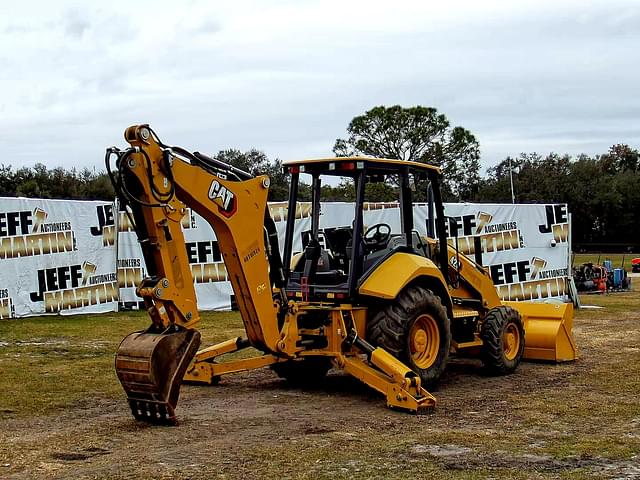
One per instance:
(388,308)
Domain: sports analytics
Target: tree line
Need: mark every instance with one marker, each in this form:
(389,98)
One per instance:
(602,191)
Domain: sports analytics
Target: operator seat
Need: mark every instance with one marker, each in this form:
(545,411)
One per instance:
(316,264)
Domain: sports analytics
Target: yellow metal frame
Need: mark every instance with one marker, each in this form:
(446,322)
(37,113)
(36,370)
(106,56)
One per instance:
(381,371)
(236,211)
(395,273)
(548,331)
(374,160)
(239,233)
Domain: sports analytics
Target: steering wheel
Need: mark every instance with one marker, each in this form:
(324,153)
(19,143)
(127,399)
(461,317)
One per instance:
(377,236)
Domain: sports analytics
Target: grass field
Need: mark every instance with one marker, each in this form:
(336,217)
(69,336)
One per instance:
(618,259)
(42,358)
(63,414)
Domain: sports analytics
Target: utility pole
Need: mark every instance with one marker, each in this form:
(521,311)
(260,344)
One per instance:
(513,195)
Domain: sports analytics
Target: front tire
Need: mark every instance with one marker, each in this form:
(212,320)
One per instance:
(502,334)
(415,329)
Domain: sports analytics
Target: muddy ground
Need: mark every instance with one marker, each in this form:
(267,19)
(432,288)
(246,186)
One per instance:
(577,420)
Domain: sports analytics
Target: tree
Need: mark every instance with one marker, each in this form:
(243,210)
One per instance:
(621,158)
(418,134)
(252,161)
(373,192)
(279,189)
(257,163)
(39,182)
(7,181)
(602,191)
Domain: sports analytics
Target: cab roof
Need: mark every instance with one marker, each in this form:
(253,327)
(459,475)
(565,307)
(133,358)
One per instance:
(341,165)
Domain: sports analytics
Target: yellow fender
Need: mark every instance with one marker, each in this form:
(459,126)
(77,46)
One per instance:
(398,271)
(548,326)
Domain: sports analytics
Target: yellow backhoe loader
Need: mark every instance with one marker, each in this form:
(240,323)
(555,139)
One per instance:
(387,307)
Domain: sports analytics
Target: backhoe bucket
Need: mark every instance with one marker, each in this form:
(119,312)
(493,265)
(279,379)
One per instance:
(150,367)
(548,331)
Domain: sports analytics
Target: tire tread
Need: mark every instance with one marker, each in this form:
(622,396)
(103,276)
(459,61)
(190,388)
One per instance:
(492,354)
(390,326)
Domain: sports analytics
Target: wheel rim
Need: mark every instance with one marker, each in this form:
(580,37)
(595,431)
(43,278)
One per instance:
(511,341)
(424,341)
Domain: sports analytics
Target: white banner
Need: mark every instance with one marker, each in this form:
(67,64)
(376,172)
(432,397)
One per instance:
(51,261)
(59,256)
(525,247)
(213,291)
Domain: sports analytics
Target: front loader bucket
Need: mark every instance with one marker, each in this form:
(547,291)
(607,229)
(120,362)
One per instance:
(548,331)
(150,367)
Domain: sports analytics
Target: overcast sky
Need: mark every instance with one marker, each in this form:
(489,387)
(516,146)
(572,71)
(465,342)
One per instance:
(286,77)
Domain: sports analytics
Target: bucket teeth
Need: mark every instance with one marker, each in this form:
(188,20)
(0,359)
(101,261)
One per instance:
(150,367)
(159,413)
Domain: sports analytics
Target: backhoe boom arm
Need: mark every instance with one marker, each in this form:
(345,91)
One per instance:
(157,183)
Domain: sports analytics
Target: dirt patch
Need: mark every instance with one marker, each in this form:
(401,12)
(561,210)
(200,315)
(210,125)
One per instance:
(79,456)
(575,420)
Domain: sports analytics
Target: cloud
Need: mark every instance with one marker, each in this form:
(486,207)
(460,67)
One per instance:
(15,28)
(76,24)
(287,77)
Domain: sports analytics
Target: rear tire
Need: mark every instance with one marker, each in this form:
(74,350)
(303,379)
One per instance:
(415,329)
(306,371)
(502,334)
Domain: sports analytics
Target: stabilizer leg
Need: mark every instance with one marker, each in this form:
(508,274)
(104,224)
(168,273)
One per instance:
(392,378)
(205,370)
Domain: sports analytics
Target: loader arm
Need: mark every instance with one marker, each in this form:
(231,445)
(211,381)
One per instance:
(471,281)
(158,183)
(547,327)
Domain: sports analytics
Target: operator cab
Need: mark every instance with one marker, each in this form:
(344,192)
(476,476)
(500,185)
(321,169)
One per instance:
(328,262)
